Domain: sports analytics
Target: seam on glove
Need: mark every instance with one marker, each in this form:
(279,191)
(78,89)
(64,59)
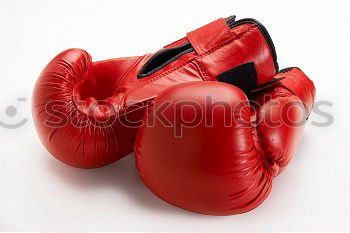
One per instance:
(202,70)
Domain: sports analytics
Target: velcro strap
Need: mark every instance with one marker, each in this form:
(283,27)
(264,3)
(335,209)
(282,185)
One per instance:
(209,36)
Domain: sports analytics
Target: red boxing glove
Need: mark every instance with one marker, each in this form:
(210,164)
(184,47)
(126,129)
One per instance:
(87,113)
(205,148)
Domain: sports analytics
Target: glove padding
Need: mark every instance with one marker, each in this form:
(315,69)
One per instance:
(206,148)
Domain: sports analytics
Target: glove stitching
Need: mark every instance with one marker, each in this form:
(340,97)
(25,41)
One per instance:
(201,68)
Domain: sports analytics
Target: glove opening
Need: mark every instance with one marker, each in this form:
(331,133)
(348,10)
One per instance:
(163,58)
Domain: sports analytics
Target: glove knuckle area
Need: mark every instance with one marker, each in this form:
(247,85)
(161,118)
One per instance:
(58,78)
(206,169)
(74,62)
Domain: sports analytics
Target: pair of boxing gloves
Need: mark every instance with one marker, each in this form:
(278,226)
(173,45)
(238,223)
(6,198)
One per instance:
(210,117)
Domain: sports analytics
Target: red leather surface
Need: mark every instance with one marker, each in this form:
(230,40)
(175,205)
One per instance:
(221,169)
(209,36)
(77,139)
(100,94)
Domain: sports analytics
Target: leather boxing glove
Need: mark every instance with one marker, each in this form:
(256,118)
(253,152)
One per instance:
(87,113)
(205,148)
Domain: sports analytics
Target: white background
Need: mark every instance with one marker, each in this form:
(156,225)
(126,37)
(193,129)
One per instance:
(39,193)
